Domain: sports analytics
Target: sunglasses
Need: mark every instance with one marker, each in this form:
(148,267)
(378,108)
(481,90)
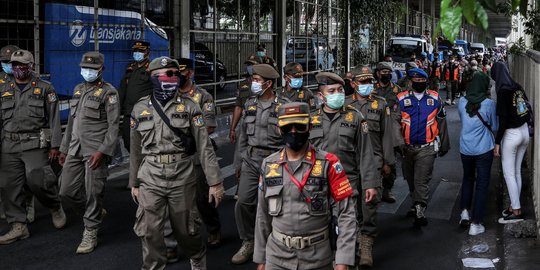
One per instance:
(300,128)
(168,73)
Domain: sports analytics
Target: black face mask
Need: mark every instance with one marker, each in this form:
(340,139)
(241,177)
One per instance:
(182,81)
(349,90)
(419,87)
(386,78)
(295,140)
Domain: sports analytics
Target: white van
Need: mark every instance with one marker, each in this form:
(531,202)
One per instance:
(478,48)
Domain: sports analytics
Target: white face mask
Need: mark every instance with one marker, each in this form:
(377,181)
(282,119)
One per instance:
(256,88)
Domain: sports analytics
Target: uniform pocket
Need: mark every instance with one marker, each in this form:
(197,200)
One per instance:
(319,203)
(91,109)
(73,106)
(374,121)
(346,138)
(274,200)
(140,226)
(146,129)
(250,125)
(35,108)
(7,109)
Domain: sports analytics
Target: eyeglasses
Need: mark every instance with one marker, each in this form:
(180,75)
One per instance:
(300,128)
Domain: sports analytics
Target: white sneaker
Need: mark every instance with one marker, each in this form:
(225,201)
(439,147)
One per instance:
(465,219)
(476,229)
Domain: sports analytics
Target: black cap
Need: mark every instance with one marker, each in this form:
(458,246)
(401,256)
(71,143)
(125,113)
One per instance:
(141,45)
(185,63)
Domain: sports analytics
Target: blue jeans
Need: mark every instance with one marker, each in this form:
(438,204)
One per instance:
(476,169)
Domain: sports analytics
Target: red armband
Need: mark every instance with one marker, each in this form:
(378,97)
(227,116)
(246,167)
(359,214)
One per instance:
(340,187)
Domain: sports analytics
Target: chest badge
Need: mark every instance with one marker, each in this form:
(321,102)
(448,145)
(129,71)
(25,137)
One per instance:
(430,102)
(316,120)
(181,108)
(7,94)
(197,97)
(349,117)
(98,92)
(317,168)
(301,94)
(37,91)
(145,113)
(407,102)
(375,105)
(77,93)
(252,108)
(272,170)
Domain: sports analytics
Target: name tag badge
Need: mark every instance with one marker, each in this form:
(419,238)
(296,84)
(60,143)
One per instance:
(407,102)
(430,102)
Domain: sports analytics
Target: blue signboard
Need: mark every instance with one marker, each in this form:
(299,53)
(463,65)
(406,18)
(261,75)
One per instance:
(64,44)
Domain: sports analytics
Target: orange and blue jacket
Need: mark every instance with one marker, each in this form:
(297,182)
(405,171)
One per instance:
(418,117)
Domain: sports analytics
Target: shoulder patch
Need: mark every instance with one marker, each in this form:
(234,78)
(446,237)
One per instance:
(198,120)
(209,107)
(51,97)
(133,123)
(365,128)
(113,98)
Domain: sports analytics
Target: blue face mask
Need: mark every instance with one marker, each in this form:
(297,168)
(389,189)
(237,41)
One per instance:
(335,101)
(261,54)
(7,68)
(249,70)
(138,56)
(365,89)
(296,83)
(89,74)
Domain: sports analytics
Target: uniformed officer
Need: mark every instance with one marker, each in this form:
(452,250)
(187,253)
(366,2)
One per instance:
(204,100)
(388,90)
(166,129)
(435,72)
(243,93)
(134,85)
(380,126)
(88,145)
(294,88)
(264,58)
(403,83)
(31,135)
(259,137)
(300,187)
(424,127)
(6,76)
(343,131)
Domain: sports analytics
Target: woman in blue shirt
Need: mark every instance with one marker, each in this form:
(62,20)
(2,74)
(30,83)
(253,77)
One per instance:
(477,141)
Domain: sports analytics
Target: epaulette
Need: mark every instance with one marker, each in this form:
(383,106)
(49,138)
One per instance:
(378,97)
(402,95)
(433,93)
(130,66)
(352,108)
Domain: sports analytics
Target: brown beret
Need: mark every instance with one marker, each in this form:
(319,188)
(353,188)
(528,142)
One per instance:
(328,78)
(252,59)
(7,51)
(266,71)
(384,65)
(293,68)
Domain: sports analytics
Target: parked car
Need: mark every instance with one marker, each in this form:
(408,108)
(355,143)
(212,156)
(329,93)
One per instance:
(311,52)
(204,65)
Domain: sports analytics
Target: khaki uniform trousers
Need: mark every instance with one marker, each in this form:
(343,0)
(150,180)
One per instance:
(417,168)
(31,168)
(82,188)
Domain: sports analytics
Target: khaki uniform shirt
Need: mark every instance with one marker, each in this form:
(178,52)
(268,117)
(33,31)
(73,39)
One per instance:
(150,136)
(5,78)
(93,120)
(347,136)
(300,95)
(282,207)
(244,92)
(258,129)
(380,126)
(135,84)
(389,93)
(26,112)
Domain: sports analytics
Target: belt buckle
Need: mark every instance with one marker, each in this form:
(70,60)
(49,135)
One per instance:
(294,242)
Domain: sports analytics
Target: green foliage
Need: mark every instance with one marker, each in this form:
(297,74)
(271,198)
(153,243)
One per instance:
(518,47)
(531,23)
(474,11)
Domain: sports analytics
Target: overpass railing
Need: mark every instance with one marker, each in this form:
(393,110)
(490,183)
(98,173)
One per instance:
(525,69)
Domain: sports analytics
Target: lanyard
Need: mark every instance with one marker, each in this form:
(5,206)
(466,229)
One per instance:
(301,185)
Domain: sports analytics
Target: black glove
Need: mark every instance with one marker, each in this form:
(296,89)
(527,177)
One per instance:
(442,153)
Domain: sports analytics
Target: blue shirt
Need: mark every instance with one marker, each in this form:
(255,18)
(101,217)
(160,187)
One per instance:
(476,138)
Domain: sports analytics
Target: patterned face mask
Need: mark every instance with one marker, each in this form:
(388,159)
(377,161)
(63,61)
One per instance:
(21,72)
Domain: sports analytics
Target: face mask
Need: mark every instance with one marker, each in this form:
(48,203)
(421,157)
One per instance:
(165,87)
(256,88)
(182,80)
(348,89)
(386,78)
(295,140)
(138,56)
(21,73)
(249,70)
(89,74)
(7,68)
(365,89)
(261,54)
(296,83)
(335,101)
(419,87)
